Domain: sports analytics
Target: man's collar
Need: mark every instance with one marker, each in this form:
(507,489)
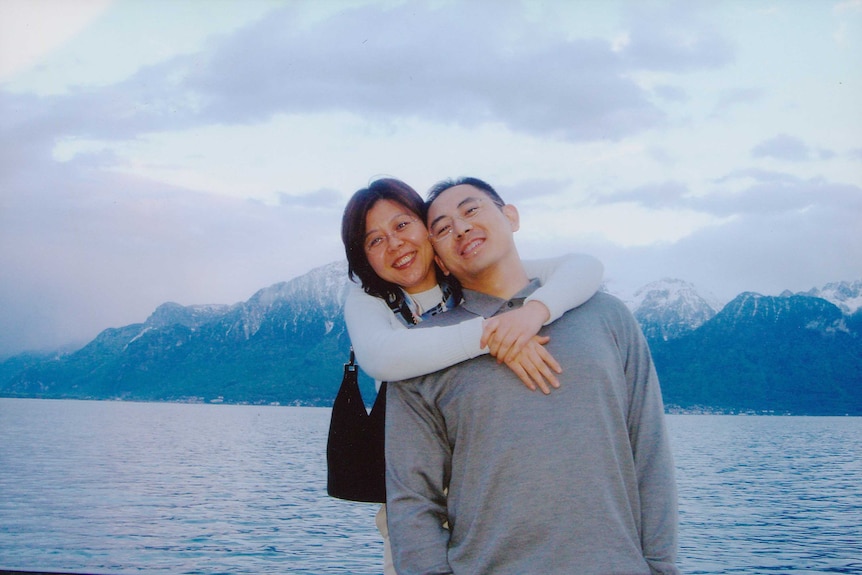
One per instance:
(487,306)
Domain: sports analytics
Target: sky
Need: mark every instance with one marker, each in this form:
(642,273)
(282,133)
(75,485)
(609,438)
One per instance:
(197,151)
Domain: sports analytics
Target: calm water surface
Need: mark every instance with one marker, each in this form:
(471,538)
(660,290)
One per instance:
(110,487)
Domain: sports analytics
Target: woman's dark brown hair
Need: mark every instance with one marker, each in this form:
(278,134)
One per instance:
(353,232)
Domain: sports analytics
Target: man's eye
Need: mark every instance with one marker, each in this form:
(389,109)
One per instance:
(471,211)
(442,230)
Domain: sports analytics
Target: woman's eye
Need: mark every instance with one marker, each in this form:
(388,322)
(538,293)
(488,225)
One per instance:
(403,225)
(374,242)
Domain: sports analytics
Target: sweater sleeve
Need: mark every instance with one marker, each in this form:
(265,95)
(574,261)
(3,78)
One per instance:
(652,453)
(418,469)
(567,281)
(387,351)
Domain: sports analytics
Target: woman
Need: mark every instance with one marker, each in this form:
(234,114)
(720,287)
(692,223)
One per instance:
(390,254)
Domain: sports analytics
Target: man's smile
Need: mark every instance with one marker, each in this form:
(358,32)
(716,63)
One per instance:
(471,246)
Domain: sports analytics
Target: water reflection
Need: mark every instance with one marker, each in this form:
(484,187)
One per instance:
(769,494)
(146,488)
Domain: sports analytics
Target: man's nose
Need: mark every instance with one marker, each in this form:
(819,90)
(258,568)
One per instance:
(461,227)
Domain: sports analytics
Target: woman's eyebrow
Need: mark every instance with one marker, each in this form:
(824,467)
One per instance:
(393,218)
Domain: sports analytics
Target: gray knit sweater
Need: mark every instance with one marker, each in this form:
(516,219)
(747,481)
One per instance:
(580,481)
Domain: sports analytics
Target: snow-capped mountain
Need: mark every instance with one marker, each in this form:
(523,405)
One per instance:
(669,308)
(284,344)
(192,316)
(320,292)
(790,312)
(321,286)
(775,354)
(846,295)
(287,344)
(316,296)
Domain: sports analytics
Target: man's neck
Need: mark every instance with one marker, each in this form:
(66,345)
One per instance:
(502,281)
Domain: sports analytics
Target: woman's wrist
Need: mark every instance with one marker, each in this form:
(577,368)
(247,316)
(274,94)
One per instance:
(539,310)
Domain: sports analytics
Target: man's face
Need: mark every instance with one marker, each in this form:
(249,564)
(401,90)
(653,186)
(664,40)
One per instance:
(470,232)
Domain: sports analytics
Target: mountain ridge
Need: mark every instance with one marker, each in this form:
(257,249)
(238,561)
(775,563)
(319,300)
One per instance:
(669,308)
(287,342)
(795,354)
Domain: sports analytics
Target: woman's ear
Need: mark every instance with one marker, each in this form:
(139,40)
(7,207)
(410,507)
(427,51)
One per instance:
(442,266)
(511,213)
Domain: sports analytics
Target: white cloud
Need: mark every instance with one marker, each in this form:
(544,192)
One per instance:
(675,36)
(169,152)
(849,6)
(783,147)
(31,29)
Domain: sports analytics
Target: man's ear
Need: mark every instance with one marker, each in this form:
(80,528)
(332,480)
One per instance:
(511,213)
(440,263)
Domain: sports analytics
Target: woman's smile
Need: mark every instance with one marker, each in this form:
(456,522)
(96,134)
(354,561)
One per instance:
(404,261)
(398,247)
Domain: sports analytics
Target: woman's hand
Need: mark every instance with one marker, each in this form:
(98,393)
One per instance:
(535,365)
(505,335)
(511,337)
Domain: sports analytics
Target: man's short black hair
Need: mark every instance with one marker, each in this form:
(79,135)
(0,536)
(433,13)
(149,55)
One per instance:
(444,185)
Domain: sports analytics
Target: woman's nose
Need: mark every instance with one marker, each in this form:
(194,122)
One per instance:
(393,241)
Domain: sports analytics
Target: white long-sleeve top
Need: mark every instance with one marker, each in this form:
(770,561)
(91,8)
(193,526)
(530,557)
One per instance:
(387,351)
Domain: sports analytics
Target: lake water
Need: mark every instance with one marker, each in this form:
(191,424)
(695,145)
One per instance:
(115,487)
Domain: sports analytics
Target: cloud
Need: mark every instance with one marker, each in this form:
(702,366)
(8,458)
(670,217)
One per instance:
(654,196)
(758,175)
(734,98)
(536,190)
(671,93)
(410,62)
(326,199)
(91,245)
(91,249)
(29,29)
(766,253)
(781,197)
(382,64)
(676,37)
(404,62)
(782,147)
(764,193)
(849,6)
(778,232)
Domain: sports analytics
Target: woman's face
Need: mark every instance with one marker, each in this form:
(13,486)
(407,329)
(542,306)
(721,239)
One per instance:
(397,247)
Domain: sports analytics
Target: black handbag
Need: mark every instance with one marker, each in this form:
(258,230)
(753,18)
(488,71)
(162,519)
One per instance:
(355,461)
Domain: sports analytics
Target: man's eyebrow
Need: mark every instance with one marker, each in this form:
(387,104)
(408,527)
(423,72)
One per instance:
(466,200)
(437,219)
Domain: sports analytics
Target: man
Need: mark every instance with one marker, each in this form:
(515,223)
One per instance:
(484,477)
